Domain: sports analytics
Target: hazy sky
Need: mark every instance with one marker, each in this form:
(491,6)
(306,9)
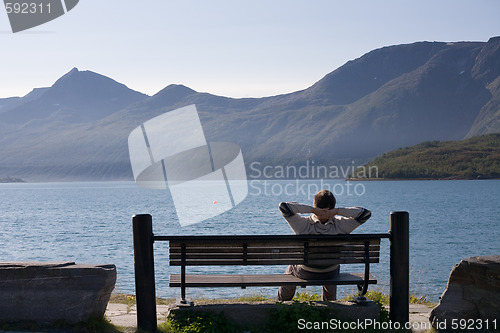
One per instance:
(229,48)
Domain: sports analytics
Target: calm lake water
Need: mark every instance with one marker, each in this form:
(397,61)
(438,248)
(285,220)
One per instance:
(91,223)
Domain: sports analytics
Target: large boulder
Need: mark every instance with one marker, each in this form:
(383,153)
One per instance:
(472,295)
(49,292)
(258,315)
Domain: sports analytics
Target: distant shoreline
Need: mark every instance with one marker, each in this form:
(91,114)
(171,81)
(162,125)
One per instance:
(5,180)
(416,179)
(11,180)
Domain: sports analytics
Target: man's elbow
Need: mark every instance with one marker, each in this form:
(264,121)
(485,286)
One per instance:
(364,216)
(285,209)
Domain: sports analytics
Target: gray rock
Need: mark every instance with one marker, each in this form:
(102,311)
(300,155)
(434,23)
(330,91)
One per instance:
(49,292)
(473,292)
(256,315)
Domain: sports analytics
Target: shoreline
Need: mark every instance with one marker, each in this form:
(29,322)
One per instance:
(9,180)
(414,179)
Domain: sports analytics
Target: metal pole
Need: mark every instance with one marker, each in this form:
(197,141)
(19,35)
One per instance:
(144,272)
(400,267)
(183,274)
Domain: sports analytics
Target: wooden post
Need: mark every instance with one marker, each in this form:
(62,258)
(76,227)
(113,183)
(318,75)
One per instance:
(144,272)
(400,268)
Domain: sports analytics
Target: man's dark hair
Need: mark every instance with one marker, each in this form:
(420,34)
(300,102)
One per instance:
(324,199)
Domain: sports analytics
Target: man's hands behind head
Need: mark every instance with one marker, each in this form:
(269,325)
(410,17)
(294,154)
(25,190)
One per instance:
(324,214)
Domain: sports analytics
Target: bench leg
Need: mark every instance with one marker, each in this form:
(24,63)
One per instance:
(183,302)
(400,267)
(144,272)
(361,299)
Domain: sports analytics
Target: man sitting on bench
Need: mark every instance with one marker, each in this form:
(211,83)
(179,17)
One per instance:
(325,219)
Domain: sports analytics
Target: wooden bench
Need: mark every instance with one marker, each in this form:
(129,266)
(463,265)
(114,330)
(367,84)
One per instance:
(261,250)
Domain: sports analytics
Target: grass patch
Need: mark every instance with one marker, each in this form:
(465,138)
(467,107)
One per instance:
(415,299)
(376,296)
(198,322)
(130,300)
(252,298)
(306,297)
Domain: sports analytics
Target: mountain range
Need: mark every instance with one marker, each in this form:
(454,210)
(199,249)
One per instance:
(391,97)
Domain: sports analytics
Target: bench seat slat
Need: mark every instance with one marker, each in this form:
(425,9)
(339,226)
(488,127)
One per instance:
(257,262)
(252,257)
(333,248)
(274,249)
(216,256)
(346,260)
(360,243)
(274,243)
(262,280)
(280,255)
(345,253)
(232,249)
(237,262)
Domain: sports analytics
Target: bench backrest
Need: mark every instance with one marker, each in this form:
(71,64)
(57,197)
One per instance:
(274,250)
